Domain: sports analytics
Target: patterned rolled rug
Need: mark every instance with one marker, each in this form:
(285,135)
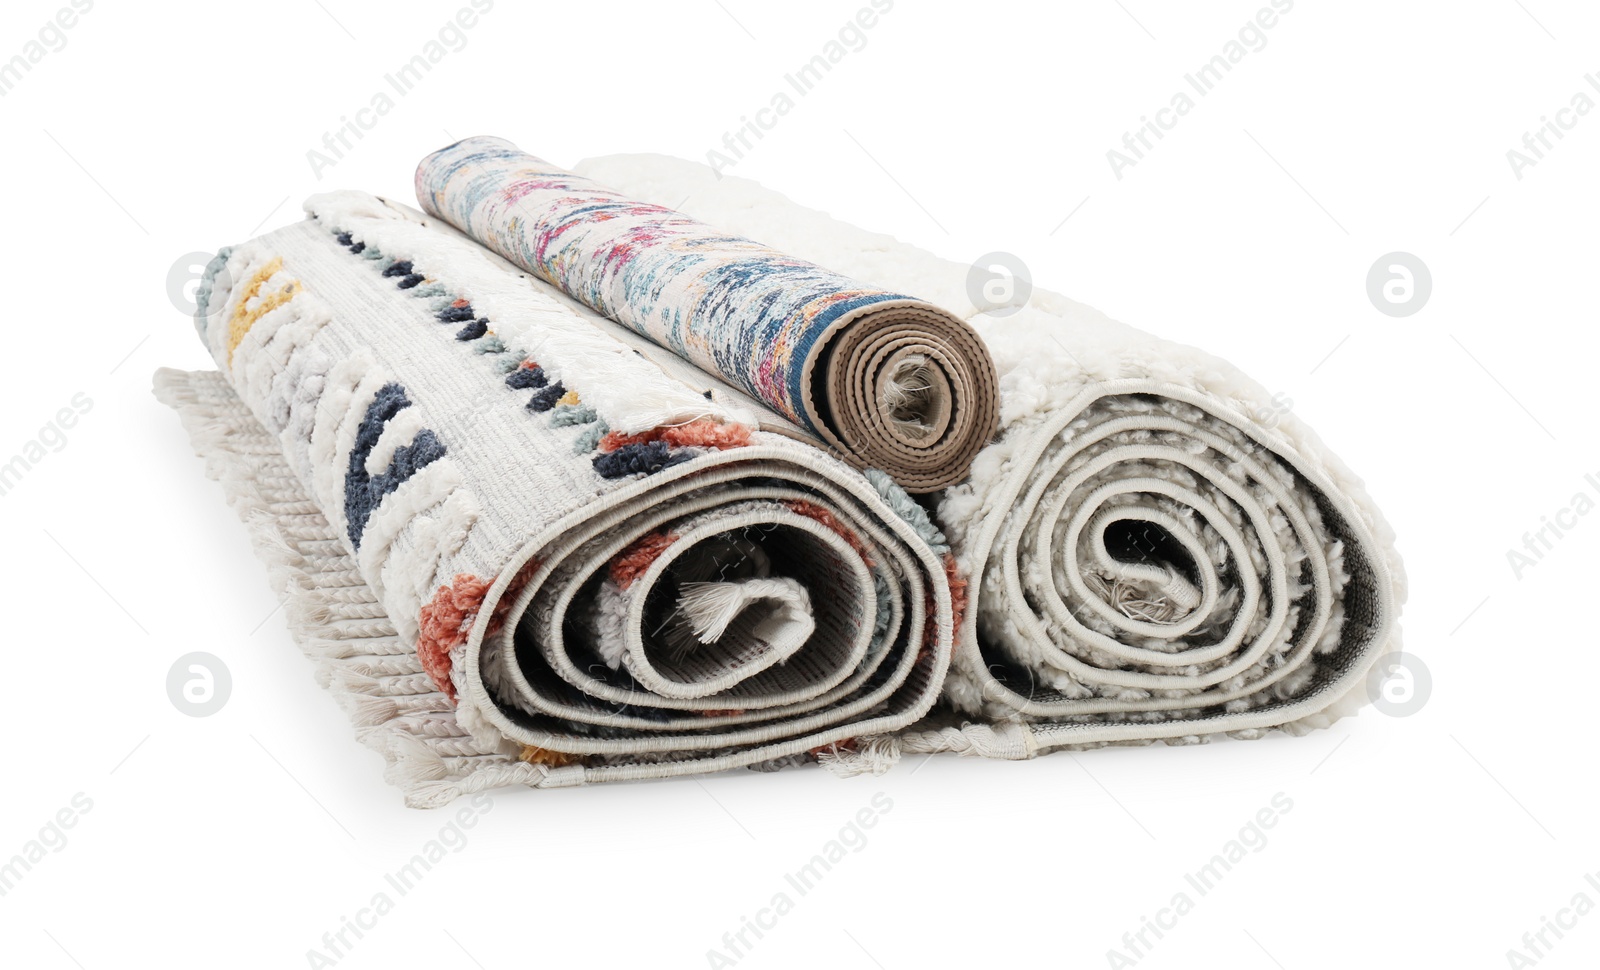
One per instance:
(519,551)
(888,381)
(1159,551)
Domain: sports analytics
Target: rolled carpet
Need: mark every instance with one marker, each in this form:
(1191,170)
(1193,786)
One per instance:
(889,381)
(519,551)
(1159,549)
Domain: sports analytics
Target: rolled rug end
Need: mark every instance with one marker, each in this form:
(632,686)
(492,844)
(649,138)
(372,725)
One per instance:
(1157,564)
(908,388)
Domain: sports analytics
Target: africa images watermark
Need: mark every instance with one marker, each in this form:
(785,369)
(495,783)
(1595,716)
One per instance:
(850,39)
(51,39)
(199,684)
(1538,142)
(450,39)
(852,838)
(1399,284)
(451,839)
(1538,943)
(1553,528)
(999,283)
(1251,39)
(50,439)
(1399,684)
(1269,414)
(51,838)
(1251,839)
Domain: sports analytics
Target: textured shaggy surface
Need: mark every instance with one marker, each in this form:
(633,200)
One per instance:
(1138,556)
(451,470)
(889,381)
(1150,560)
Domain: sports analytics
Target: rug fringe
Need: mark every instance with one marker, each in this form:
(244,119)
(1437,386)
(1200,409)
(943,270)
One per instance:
(334,616)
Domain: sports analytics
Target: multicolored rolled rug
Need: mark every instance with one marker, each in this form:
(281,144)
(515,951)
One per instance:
(1159,550)
(519,551)
(889,381)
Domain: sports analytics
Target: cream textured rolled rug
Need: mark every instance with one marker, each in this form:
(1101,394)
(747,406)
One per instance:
(1157,551)
(519,551)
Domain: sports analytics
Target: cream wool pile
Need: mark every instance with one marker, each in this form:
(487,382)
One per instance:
(521,553)
(1149,560)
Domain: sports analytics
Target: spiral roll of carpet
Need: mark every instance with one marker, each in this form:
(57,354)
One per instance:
(1158,549)
(520,552)
(889,381)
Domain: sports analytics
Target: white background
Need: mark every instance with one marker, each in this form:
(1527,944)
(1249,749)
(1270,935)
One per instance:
(1360,129)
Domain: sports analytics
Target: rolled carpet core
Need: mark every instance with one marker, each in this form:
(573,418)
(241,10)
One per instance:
(908,393)
(1161,564)
(889,381)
